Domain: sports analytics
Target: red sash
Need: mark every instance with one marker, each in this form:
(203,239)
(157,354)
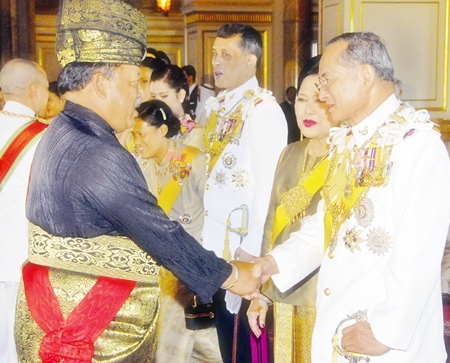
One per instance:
(16,147)
(72,339)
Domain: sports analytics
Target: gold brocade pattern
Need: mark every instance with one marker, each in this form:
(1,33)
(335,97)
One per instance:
(108,31)
(283,331)
(304,319)
(105,255)
(296,200)
(293,331)
(130,337)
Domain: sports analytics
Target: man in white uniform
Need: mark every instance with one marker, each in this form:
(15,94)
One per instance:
(25,88)
(384,215)
(244,136)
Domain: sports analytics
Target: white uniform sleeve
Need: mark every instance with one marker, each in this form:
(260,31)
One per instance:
(302,253)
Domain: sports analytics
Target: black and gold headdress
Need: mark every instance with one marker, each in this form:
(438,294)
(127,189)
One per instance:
(107,31)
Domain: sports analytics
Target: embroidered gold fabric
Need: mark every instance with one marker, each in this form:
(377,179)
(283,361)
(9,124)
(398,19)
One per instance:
(105,255)
(294,310)
(304,319)
(130,337)
(340,180)
(216,138)
(295,201)
(108,31)
(293,332)
(283,331)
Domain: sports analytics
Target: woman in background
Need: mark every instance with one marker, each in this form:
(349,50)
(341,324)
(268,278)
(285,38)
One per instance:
(295,194)
(55,103)
(169,84)
(154,59)
(176,176)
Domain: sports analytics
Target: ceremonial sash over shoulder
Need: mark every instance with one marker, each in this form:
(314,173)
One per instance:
(16,147)
(302,194)
(171,190)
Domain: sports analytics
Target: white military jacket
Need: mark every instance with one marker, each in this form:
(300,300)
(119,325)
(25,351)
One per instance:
(240,183)
(13,221)
(387,257)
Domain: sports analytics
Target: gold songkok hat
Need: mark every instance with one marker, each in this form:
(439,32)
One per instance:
(107,31)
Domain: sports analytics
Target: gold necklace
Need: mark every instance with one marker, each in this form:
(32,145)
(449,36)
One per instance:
(18,115)
(160,175)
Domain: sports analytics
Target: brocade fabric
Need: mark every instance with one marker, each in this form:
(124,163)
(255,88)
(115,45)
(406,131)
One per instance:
(129,338)
(294,312)
(85,184)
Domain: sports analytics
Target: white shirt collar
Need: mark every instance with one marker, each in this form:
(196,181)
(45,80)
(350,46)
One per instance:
(367,127)
(191,88)
(16,107)
(236,94)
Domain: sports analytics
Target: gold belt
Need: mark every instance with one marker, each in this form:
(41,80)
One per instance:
(111,256)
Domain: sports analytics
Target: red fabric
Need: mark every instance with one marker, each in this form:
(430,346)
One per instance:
(446,319)
(260,353)
(72,339)
(17,145)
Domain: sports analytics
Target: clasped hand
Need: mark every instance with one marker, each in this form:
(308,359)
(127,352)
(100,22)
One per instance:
(252,275)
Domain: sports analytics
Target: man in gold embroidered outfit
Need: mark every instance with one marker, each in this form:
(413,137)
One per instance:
(382,222)
(89,290)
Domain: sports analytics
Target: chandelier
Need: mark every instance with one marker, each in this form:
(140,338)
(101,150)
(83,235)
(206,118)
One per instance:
(163,6)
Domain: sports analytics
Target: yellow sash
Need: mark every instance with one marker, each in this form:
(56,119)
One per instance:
(343,207)
(309,187)
(215,145)
(171,190)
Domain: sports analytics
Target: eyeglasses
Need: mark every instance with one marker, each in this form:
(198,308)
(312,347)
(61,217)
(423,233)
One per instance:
(325,82)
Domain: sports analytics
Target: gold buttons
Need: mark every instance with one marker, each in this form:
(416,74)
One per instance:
(331,255)
(207,186)
(206,213)
(327,292)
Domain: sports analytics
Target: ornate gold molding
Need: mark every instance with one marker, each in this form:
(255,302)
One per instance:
(228,18)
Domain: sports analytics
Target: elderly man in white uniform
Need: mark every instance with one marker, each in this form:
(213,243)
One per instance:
(385,214)
(244,136)
(25,88)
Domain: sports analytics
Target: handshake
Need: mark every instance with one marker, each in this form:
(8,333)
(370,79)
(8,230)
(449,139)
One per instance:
(247,277)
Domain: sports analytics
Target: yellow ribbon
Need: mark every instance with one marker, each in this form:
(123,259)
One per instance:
(342,208)
(171,190)
(309,186)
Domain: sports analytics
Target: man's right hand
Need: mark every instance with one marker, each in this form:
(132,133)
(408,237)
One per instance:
(265,267)
(251,276)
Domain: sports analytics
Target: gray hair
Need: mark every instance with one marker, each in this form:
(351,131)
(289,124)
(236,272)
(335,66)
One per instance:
(76,76)
(366,48)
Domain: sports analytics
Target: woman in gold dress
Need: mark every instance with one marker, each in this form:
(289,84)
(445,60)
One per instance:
(175,175)
(295,194)
(169,84)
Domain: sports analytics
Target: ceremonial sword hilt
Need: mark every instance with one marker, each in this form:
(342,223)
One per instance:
(337,349)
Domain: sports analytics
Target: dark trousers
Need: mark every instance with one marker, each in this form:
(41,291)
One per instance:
(225,323)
